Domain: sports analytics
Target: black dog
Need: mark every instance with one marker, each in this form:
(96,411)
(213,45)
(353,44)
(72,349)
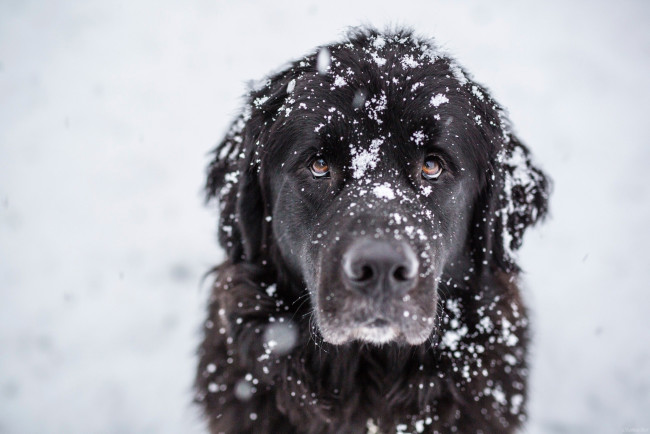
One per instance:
(371,198)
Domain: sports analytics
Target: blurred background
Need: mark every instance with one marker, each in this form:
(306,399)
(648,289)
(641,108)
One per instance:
(109,108)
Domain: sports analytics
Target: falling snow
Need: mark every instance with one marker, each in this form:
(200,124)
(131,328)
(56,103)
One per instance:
(291,86)
(280,337)
(323,61)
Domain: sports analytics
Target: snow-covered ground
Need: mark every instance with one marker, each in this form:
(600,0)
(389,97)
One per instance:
(107,111)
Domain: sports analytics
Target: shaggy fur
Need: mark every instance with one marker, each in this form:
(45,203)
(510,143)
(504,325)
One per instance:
(289,346)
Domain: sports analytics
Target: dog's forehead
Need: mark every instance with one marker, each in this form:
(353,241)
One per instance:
(376,92)
(380,73)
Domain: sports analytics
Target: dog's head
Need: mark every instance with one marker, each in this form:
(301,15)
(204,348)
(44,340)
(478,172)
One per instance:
(370,171)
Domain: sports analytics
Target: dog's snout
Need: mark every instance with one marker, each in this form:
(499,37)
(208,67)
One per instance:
(373,266)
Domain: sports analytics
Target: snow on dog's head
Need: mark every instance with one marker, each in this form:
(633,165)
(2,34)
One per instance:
(330,150)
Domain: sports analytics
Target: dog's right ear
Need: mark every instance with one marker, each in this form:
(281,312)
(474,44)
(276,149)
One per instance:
(234,172)
(516,190)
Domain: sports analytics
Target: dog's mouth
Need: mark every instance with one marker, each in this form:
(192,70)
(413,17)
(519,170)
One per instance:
(378,323)
(376,329)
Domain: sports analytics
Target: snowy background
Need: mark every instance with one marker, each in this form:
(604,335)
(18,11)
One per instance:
(107,112)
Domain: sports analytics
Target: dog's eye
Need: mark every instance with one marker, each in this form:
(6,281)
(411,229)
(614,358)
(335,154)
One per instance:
(319,168)
(432,167)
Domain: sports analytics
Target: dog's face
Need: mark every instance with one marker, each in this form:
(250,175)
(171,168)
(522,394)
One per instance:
(371,200)
(373,165)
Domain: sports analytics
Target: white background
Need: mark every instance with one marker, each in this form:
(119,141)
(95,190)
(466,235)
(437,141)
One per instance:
(107,112)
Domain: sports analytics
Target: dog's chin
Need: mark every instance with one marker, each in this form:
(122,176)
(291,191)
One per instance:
(376,335)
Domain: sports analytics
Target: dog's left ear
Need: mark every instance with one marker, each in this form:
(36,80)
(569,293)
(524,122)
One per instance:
(235,170)
(515,198)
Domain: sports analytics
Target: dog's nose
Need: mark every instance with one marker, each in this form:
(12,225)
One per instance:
(373,266)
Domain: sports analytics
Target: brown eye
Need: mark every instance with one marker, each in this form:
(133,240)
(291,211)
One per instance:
(431,168)
(319,168)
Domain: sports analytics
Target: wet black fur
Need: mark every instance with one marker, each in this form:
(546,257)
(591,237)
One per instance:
(477,385)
